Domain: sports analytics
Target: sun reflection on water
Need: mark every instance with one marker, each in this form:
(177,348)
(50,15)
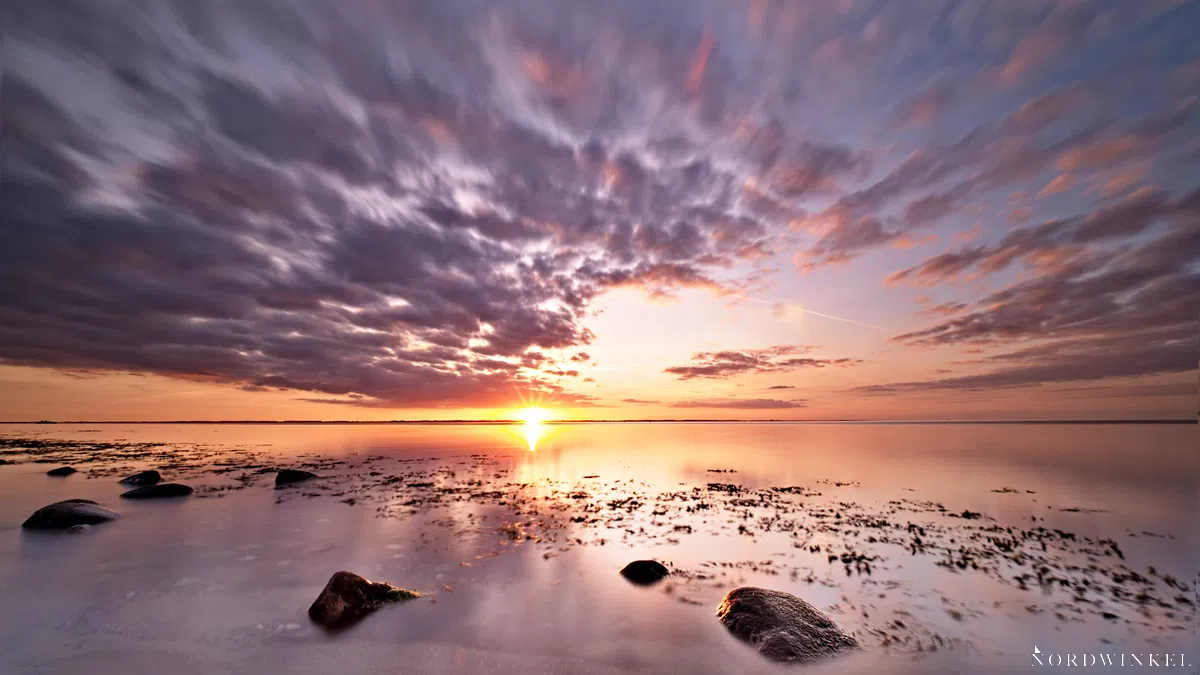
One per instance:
(533,426)
(533,432)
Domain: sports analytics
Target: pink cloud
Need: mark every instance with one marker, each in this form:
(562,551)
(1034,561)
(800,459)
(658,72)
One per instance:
(1060,183)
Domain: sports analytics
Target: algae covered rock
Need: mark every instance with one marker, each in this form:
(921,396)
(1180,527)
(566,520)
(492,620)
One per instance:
(291,476)
(66,514)
(644,572)
(150,477)
(781,626)
(348,597)
(160,491)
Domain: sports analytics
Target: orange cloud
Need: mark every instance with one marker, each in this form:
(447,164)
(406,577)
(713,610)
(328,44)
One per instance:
(700,63)
(1061,183)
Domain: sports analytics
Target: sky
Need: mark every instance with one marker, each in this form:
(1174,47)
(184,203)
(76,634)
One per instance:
(630,209)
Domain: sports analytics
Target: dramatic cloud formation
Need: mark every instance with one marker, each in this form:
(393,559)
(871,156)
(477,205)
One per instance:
(421,204)
(777,359)
(740,404)
(1091,313)
(284,197)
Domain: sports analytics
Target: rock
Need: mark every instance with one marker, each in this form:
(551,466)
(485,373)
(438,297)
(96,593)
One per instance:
(158,491)
(348,597)
(150,477)
(781,626)
(79,529)
(644,572)
(61,471)
(66,514)
(289,476)
(4,462)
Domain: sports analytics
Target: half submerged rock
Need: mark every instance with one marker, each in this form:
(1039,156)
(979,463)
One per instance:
(67,514)
(150,477)
(644,572)
(348,597)
(161,491)
(781,626)
(290,476)
(61,471)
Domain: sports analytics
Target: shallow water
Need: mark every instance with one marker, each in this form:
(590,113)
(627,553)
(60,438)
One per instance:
(219,582)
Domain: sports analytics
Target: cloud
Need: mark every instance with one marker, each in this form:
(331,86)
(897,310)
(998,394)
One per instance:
(1132,390)
(1094,314)
(417,204)
(1056,240)
(730,363)
(415,207)
(639,401)
(781,386)
(936,182)
(739,403)
(1060,183)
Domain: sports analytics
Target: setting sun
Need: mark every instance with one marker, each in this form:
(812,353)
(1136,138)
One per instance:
(533,415)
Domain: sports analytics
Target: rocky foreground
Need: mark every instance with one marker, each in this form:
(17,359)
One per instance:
(1073,576)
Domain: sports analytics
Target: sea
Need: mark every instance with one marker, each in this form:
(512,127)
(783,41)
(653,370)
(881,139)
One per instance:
(943,548)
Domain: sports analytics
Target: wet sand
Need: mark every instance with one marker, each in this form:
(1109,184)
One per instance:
(517,552)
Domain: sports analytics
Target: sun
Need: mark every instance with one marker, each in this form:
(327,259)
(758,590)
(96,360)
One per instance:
(533,427)
(533,416)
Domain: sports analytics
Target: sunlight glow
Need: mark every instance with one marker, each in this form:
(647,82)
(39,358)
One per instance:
(533,428)
(532,415)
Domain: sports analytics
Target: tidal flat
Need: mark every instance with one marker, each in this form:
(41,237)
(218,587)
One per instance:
(940,548)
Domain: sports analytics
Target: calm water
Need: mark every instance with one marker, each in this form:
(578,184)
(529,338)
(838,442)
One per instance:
(220,582)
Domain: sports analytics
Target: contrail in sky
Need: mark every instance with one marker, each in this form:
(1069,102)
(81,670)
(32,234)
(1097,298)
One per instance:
(839,318)
(820,314)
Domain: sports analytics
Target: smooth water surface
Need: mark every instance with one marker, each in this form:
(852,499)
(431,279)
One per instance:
(219,582)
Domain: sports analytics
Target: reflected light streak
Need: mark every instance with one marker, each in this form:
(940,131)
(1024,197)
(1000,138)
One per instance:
(533,432)
(533,425)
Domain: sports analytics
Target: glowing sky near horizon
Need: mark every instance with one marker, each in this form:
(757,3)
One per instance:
(628,209)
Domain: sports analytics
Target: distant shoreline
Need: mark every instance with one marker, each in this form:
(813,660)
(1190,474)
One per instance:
(628,421)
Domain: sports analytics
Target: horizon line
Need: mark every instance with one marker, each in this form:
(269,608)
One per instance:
(1172,420)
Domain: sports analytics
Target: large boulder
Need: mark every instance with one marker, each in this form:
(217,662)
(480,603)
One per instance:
(160,491)
(644,572)
(150,477)
(781,626)
(290,476)
(61,471)
(67,514)
(348,597)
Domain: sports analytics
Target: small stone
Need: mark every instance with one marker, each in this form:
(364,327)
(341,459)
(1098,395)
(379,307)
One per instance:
(61,471)
(150,477)
(162,490)
(781,626)
(348,597)
(66,514)
(644,572)
(290,476)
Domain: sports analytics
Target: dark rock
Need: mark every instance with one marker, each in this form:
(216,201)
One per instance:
(79,529)
(289,476)
(4,462)
(348,597)
(61,471)
(159,491)
(781,626)
(644,572)
(150,477)
(67,514)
